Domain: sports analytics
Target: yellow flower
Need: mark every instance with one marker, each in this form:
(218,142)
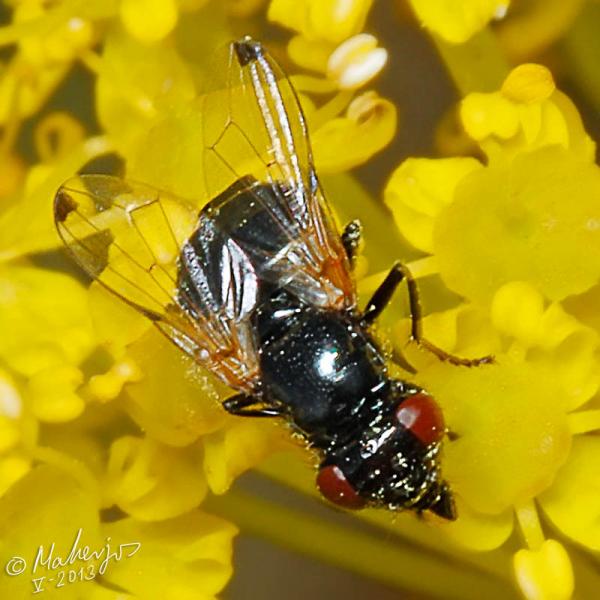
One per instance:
(46,337)
(65,508)
(42,60)
(187,557)
(527,113)
(152,481)
(525,230)
(419,189)
(149,20)
(456,22)
(137,84)
(346,142)
(330,20)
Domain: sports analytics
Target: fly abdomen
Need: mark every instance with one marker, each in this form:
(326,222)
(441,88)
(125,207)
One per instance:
(317,363)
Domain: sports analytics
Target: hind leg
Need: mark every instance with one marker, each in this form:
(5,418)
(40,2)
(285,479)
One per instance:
(381,299)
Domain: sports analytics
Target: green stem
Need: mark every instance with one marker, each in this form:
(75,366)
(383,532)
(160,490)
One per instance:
(389,561)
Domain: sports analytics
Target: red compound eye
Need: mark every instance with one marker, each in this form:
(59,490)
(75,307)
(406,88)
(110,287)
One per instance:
(337,489)
(422,417)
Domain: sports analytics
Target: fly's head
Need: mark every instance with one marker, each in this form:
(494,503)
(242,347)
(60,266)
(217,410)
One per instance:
(393,462)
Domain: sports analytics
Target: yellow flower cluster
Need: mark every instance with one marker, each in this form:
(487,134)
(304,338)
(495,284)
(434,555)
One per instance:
(107,428)
(514,237)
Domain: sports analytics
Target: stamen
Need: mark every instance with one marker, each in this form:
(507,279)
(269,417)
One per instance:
(529,522)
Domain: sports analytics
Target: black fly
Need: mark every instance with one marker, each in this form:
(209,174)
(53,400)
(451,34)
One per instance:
(259,290)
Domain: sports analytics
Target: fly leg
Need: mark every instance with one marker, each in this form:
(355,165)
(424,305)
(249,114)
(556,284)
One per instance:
(383,295)
(243,405)
(351,240)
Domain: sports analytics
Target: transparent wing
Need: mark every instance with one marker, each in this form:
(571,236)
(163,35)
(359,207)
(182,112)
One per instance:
(130,237)
(254,126)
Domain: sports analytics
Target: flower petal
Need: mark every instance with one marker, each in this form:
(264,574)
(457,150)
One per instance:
(175,401)
(527,113)
(513,222)
(456,22)
(418,190)
(478,531)
(328,20)
(44,319)
(346,142)
(185,558)
(572,501)
(149,20)
(237,448)
(512,433)
(151,481)
(52,393)
(65,509)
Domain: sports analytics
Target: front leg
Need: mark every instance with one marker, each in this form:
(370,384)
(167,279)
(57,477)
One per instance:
(243,405)
(382,297)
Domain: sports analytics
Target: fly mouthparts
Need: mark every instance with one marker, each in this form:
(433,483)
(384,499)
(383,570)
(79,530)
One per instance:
(444,505)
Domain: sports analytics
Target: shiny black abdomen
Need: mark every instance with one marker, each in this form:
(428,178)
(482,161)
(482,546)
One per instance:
(319,363)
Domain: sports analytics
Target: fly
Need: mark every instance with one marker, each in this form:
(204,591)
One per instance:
(259,290)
